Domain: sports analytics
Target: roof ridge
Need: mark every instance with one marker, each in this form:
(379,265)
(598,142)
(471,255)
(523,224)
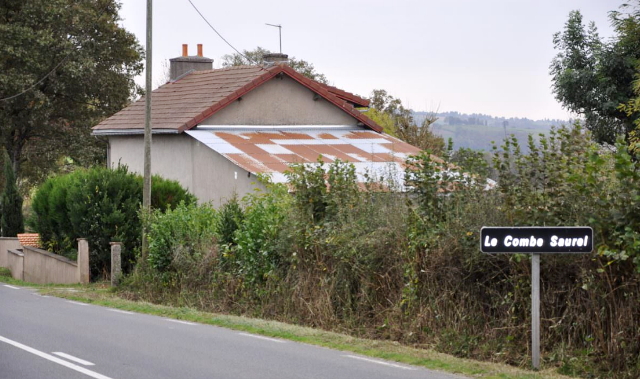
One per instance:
(230,68)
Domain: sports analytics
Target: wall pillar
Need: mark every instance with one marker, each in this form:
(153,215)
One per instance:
(83,260)
(116,262)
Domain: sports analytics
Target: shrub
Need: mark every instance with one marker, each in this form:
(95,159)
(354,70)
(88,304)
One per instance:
(231,216)
(101,205)
(168,194)
(187,231)
(256,253)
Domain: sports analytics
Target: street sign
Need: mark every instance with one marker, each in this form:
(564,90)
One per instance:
(531,240)
(536,241)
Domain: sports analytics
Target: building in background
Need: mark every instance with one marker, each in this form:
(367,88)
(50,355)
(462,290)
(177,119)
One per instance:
(214,130)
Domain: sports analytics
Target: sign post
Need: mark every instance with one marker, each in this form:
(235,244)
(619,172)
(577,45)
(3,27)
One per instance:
(535,311)
(536,241)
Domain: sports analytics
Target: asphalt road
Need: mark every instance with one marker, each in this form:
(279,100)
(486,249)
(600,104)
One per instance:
(48,337)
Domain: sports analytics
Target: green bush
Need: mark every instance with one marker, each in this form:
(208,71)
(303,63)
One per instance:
(186,232)
(231,216)
(101,205)
(256,253)
(168,194)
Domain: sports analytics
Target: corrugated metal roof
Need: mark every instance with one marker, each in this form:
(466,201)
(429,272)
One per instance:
(271,149)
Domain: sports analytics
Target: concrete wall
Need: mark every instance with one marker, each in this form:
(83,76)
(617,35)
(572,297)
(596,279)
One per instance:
(207,174)
(7,243)
(43,267)
(15,263)
(281,102)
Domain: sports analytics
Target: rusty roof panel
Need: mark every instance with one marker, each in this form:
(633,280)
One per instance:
(271,150)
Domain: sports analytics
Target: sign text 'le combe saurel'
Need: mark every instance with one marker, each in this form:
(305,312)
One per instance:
(536,240)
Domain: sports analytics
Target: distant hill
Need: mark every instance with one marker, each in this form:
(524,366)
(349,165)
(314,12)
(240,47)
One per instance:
(476,131)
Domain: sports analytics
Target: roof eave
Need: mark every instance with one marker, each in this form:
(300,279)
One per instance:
(131,132)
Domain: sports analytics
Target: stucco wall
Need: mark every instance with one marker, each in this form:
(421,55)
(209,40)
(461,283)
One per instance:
(43,267)
(281,102)
(7,243)
(15,263)
(170,155)
(207,174)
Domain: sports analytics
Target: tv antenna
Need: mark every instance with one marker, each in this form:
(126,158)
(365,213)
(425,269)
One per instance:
(279,32)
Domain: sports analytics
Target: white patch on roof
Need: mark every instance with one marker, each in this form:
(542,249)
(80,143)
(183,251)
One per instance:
(274,149)
(357,157)
(311,142)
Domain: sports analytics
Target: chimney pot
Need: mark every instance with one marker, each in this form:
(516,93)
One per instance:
(199,49)
(185,50)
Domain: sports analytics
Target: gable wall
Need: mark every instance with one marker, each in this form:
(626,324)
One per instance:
(281,102)
(207,174)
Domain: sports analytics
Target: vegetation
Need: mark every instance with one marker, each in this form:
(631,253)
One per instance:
(255,57)
(399,121)
(101,205)
(592,77)
(65,65)
(10,203)
(362,259)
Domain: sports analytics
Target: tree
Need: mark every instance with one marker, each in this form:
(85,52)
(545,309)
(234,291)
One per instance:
(592,77)
(11,203)
(632,108)
(64,66)
(255,56)
(398,121)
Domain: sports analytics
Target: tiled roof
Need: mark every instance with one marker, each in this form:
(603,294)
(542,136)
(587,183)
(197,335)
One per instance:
(183,104)
(29,239)
(260,149)
(348,96)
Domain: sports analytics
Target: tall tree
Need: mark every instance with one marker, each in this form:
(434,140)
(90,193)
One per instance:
(592,77)
(255,56)
(11,203)
(64,66)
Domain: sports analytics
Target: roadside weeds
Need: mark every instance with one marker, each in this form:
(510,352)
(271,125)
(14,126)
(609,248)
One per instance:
(100,294)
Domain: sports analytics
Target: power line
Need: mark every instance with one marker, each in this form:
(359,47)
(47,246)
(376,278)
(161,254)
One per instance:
(50,72)
(39,81)
(219,35)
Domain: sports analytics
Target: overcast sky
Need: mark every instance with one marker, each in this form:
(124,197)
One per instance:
(489,56)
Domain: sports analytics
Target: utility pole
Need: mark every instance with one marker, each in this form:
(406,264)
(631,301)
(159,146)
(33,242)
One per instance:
(146,188)
(279,33)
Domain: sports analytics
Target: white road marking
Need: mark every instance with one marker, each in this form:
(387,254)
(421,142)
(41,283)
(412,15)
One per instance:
(120,311)
(37,294)
(179,322)
(379,362)
(15,288)
(261,337)
(72,358)
(76,302)
(54,359)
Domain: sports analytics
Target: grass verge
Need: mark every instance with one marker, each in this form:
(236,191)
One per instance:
(101,294)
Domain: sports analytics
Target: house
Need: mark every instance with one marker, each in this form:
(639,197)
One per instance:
(214,130)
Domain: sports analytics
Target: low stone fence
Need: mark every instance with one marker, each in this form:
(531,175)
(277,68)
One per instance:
(15,263)
(42,267)
(6,244)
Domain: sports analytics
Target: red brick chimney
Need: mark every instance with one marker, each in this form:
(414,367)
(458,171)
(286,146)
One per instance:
(181,65)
